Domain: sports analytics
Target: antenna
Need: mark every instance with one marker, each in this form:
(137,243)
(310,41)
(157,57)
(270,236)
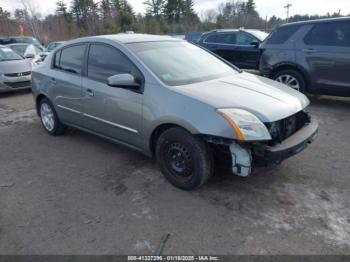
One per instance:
(288,6)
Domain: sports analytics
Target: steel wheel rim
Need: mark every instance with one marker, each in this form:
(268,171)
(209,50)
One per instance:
(47,117)
(289,80)
(178,161)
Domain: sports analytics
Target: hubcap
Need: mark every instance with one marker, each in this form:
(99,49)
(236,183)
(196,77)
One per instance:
(47,117)
(179,161)
(289,81)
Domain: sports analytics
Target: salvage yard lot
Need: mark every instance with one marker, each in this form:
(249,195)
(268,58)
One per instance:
(78,194)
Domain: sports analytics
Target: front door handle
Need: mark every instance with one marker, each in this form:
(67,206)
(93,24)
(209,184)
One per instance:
(89,92)
(53,81)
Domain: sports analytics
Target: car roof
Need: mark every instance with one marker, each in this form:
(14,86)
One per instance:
(128,38)
(17,44)
(318,21)
(234,30)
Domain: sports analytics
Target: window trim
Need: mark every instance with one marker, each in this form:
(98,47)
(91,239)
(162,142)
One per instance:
(65,47)
(85,75)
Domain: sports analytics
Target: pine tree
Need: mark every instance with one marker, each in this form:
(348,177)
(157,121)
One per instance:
(250,7)
(173,10)
(124,14)
(85,12)
(106,7)
(62,10)
(188,8)
(154,7)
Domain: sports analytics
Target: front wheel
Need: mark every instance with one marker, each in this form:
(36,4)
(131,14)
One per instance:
(291,78)
(186,161)
(49,118)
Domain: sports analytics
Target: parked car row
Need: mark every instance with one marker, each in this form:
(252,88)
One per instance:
(309,56)
(18,55)
(175,101)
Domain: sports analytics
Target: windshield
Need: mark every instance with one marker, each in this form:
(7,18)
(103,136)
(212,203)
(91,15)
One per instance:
(6,54)
(259,34)
(180,63)
(25,49)
(19,49)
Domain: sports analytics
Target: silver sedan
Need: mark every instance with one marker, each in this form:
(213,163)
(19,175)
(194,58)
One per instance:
(173,100)
(15,71)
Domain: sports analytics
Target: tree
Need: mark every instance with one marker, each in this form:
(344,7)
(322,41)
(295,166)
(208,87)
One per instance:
(250,7)
(123,14)
(86,15)
(6,22)
(188,8)
(61,8)
(174,10)
(31,16)
(154,8)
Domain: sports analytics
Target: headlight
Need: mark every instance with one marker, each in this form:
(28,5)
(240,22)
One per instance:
(246,125)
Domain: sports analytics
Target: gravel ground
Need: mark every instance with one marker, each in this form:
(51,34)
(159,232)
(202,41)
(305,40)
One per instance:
(78,194)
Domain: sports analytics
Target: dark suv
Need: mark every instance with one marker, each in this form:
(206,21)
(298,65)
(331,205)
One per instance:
(239,47)
(310,56)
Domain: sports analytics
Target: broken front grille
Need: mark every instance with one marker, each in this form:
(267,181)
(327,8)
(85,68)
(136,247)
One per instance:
(282,129)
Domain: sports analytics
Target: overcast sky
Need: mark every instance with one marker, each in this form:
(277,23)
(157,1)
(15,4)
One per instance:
(265,7)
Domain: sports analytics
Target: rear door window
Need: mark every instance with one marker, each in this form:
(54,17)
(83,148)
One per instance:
(222,38)
(329,34)
(282,34)
(72,59)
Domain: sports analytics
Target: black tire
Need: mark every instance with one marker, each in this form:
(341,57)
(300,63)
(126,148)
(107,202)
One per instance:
(186,161)
(58,128)
(293,73)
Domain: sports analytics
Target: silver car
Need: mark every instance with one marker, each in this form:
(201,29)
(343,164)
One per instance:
(173,100)
(28,51)
(15,71)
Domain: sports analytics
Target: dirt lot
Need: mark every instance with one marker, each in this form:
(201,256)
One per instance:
(78,194)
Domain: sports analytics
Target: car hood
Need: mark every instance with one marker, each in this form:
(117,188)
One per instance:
(15,66)
(267,99)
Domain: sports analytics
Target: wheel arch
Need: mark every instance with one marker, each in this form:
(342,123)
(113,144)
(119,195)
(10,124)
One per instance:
(292,66)
(157,131)
(37,102)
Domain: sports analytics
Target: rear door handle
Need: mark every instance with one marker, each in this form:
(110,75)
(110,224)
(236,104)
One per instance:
(89,92)
(308,50)
(53,81)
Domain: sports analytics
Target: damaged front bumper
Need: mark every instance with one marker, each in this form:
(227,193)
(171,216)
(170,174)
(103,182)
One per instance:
(244,156)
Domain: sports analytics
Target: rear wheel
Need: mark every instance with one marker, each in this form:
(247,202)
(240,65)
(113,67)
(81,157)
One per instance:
(49,118)
(291,78)
(185,160)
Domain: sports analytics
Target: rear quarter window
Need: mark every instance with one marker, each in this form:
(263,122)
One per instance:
(282,34)
(329,34)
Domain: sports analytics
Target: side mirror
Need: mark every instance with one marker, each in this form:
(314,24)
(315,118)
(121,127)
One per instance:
(123,81)
(29,56)
(256,44)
